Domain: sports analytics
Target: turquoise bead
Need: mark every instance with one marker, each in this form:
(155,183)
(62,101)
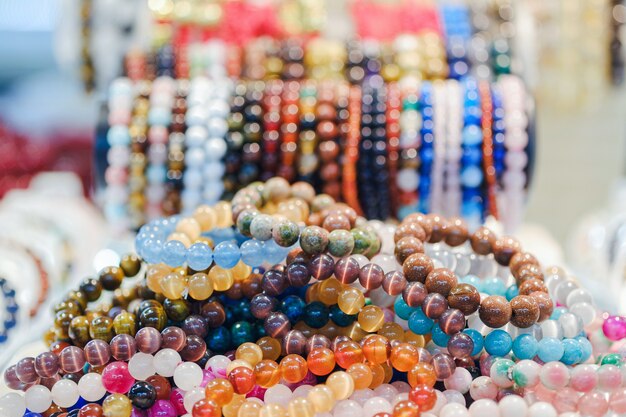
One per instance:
(419,323)
(439,337)
(472,135)
(402,309)
(525,346)
(585,347)
(474,281)
(174,253)
(226,255)
(557,312)
(477,338)
(494,286)
(512,292)
(199,256)
(550,349)
(498,343)
(572,352)
(252,252)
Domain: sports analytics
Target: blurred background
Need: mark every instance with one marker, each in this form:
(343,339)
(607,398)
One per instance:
(58,58)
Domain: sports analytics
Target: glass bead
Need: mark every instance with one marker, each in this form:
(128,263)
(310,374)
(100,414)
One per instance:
(242,379)
(321,361)
(116,378)
(142,395)
(422,373)
(278,394)
(434,305)
(123,347)
(220,390)
(91,387)
(173,285)
(161,385)
(376,349)
(424,396)
(141,366)
(361,374)
(371,318)
(249,352)
(461,345)
(347,353)
(206,408)
(252,253)
(91,410)
(226,255)
(38,398)
(376,405)
(341,384)
(268,373)
(322,398)
(166,361)
(293,368)
(102,328)
(221,278)
(351,300)
(173,337)
(47,364)
(65,393)
(403,356)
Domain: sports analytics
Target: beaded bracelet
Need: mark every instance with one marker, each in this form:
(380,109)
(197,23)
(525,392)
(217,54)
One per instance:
(10,309)
(234,139)
(439,147)
(253,132)
(472,140)
(454,129)
(426,152)
(351,151)
(410,126)
(272,139)
(329,146)
(176,153)
(289,130)
(487,147)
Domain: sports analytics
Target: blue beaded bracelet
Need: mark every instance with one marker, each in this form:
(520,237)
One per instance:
(152,245)
(426,151)
(11,309)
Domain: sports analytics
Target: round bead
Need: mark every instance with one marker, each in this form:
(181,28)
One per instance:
(187,376)
(91,387)
(116,378)
(38,398)
(65,393)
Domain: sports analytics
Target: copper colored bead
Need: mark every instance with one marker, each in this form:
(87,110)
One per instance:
(394,282)
(504,249)
(173,338)
(417,267)
(457,232)
(531,285)
(409,229)
(464,297)
(439,228)
(452,321)
(414,294)
(441,280)
(524,311)
(528,271)
(482,241)
(336,221)
(406,247)
(495,311)
(521,259)
(545,304)
(328,150)
(434,305)
(423,220)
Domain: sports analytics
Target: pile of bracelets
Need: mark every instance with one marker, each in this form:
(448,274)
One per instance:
(389,144)
(287,303)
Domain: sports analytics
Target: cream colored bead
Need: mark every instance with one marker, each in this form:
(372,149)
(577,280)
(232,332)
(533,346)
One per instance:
(236,364)
(273,410)
(181,237)
(206,217)
(322,398)
(300,407)
(249,409)
(224,214)
(341,384)
(190,227)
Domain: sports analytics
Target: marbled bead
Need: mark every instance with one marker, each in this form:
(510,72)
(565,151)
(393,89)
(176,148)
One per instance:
(123,347)
(72,359)
(340,243)
(314,240)
(285,232)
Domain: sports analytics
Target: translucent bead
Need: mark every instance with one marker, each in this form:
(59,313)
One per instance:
(90,387)
(347,408)
(116,378)
(454,397)
(222,278)
(117,405)
(200,286)
(300,407)
(65,393)
(227,254)
(484,407)
(187,376)
(174,253)
(586,312)
(341,384)
(141,366)
(362,395)
(278,394)
(252,252)
(192,397)
(572,324)
(563,290)
(38,398)
(199,256)
(376,405)
(165,362)
(322,398)
(460,380)
(12,405)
